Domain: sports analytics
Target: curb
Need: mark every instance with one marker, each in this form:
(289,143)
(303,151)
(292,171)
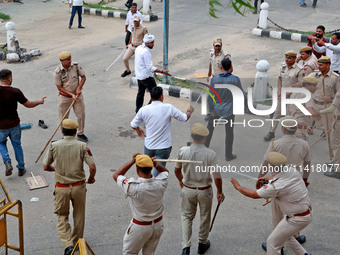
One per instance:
(116,14)
(173,91)
(281,35)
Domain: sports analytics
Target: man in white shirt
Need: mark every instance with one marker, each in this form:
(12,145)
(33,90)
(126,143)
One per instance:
(77,6)
(157,118)
(144,69)
(146,194)
(129,21)
(332,50)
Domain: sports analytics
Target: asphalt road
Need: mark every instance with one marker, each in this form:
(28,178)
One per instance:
(242,224)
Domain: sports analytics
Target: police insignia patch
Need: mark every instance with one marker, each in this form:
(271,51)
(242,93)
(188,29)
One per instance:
(88,150)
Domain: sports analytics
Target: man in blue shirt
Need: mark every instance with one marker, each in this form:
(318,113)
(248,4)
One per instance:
(224,110)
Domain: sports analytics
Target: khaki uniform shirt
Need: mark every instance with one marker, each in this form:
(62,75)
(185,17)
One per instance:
(138,35)
(289,191)
(297,114)
(290,75)
(216,61)
(68,79)
(196,175)
(68,156)
(309,65)
(146,195)
(295,149)
(331,82)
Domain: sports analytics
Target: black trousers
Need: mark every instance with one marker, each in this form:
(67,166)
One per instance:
(255,3)
(229,134)
(127,37)
(148,83)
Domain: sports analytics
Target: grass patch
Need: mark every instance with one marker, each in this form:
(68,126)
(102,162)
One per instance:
(268,102)
(177,82)
(4,16)
(102,7)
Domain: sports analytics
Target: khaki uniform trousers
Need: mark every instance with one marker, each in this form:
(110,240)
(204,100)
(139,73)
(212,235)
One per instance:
(335,135)
(285,230)
(190,199)
(143,238)
(322,123)
(277,116)
(128,54)
(78,108)
(63,197)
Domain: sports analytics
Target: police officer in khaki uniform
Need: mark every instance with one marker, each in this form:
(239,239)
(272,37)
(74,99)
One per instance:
(307,60)
(304,121)
(136,39)
(329,83)
(196,187)
(296,150)
(68,156)
(335,136)
(216,56)
(146,194)
(66,78)
(286,188)
(290,74)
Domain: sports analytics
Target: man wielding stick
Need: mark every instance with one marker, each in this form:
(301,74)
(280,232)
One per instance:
(196,188)
(287,188)
(66,78)
(146,194)
(68,156)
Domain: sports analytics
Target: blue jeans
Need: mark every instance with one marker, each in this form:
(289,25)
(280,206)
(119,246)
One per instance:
(158,153)
(302,1)
(14,135)
(75,9)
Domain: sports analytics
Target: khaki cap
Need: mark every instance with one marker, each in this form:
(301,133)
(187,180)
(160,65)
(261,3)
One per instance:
(217,41)
(289,123)
(310,80)
(64,55)
(136,18)
(70,124)
(144,161)
(291,53)
(324,59)
(276,159)
(199,129)
(306,48)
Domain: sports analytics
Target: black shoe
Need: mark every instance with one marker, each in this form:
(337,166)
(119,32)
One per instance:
(229,158)
(301,239)
(264,247)
(333,174)
(69,27)
(186,251)
(303,5)
(21,172)
(323,134)
(269,136)
(83,138)
(42,124)
(9,168)
(125,73)
(255,12)
(203,247)
(81,27)
(68,250)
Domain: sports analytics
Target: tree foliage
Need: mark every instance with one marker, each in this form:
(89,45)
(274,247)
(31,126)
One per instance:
(240,6)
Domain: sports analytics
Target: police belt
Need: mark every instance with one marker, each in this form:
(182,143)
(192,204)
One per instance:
(336,117)
(146,223)
(63,94)
(68,185)
(301,127)
(201,188)
(304,213)
(317,102)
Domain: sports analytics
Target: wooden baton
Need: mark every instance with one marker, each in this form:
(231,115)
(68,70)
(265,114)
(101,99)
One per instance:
(55,131)
(179,161)
(213,220)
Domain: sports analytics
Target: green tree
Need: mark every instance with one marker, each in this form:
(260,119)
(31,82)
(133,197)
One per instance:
(240,6)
